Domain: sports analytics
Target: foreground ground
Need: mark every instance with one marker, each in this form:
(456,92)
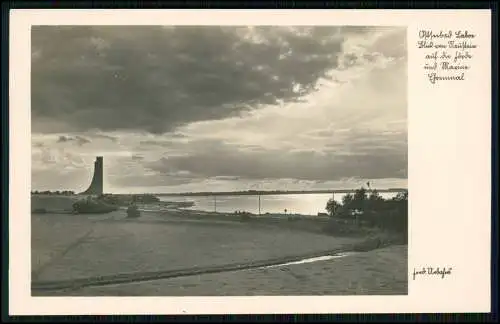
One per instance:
(68,247)
(378,272)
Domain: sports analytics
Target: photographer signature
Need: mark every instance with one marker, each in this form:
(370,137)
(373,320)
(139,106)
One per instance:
(431,271)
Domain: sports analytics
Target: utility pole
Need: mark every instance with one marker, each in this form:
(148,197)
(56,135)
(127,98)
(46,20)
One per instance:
(259,204)
(333,205)
(215,203)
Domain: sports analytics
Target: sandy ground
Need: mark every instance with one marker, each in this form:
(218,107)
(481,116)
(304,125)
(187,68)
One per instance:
(378,272)
(66,247)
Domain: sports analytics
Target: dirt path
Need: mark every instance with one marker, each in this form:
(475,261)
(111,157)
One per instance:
(156,275)
(378,272)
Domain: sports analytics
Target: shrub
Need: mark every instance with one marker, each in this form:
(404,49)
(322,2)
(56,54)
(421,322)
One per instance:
(133,212)
(244,216)
(92,207)
(372,210)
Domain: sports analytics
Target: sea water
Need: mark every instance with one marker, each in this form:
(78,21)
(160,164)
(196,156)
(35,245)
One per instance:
(304,204)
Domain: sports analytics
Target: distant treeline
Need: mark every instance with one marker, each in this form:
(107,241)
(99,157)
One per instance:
(114,199)
(272,192)
(57,192)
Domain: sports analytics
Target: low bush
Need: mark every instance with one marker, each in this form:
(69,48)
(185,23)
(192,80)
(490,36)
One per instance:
(92,207)
(245,216)
(369,210)
(133,212)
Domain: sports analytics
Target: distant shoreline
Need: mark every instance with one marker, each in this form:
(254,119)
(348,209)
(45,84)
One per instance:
(271,192)
(232,193)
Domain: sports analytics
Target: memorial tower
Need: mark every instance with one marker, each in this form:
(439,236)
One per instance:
(96,186)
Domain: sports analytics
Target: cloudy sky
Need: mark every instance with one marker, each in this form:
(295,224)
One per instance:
(219,108)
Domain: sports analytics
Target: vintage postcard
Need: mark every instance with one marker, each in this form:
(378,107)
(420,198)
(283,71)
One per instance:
(233,161)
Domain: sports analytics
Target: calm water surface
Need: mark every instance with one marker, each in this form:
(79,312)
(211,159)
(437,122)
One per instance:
(306,204)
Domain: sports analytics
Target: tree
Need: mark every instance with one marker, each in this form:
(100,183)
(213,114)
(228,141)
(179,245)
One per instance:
(375,201)
(356,201)
(333,207)
(375,196)
(347,200)
(360,195)
(371,209)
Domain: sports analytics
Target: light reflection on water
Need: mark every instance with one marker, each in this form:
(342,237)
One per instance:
(305,204)
(310,260)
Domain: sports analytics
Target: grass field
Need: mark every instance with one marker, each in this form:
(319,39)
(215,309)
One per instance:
(82,247)
(378,272)
(76,246)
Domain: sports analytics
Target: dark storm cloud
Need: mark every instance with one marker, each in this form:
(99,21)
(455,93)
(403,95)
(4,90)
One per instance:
(137,157)
(155,78)
(129,172)
(132,180)
(210,159)
(60,157)
(77,139)
(62,139)
(227,178)
(106,137)
(161,143)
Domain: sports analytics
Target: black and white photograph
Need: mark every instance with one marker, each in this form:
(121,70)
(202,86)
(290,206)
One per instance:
(219,160)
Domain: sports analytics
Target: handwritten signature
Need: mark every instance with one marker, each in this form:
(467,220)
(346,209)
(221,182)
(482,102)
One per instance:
(431,271)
